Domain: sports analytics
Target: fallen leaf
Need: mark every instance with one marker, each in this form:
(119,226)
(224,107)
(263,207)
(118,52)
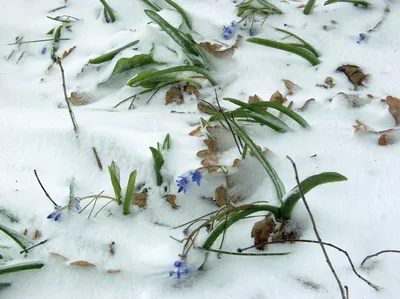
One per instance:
(394,108)
(212,145)
(139,199)
(306,104)
(370,96)
(203,154)
(58,256)
(190,90)
(36,235)
(171,200)
(291,87)
(112,271)
(215,49)
(329,81)
(383,140)
(82,264)
(353,73)
(196,132)
(80,98)
(25,231)
(204,107)
(174,95)
(360,126)
(261,232)
(221,196)
(301,6)
(254,99)
(277,97)
(209,161)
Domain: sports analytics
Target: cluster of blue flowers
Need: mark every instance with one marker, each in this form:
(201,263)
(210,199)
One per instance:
(58,209)
(183,181)
(182,268)
(229,31)
(361,37)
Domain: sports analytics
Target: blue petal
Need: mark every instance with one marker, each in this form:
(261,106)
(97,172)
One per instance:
(178,264)
(57,217)
(196,177)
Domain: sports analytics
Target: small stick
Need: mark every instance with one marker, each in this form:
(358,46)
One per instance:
(125,100)
(97,158)
(378,253)
(33,246)
(328,261)
(94,198)
(36,41)
(71,113)
(44,190)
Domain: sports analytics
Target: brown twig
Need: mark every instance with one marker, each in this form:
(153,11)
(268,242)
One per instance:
(44,190)
(328,261)
(97,158)
(378,253)
(125,100)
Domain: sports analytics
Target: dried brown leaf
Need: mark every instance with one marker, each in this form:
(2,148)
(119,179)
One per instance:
(353,73)
(291,87)
(221,196)
(82,264)
(80,98)
(36,235)
(25,231)
(139,199)
(306,104)
(171,200)
(277,97)
(209,161)
(360,126)
(174,95)
(196,132)
(394,108)
(203,154)
(212,146)
(113,271)
(261,232)
(58,256)
(383,140)
(329,81)
(215,49)
(254,99)
(191,89)
(203,107)
(370,96)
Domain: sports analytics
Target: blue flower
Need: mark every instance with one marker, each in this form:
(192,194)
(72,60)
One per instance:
(227,32)
(44,50)
(182,183)
(196,177)
(56,214)
(361,37)
(181,269)
(76,203)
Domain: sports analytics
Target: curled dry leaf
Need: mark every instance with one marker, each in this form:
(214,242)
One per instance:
(171,200)
(254,99)
(58,256)
(112,271)
(221,196)
(277,97)
(174,95)
(212,146)
(291,87)
(36,235)
(353,73)
(191,90)
(360,126)
(82,264)
(383,140)
(196,132)
(261,232)
(394,108)
(306,104)
(80,98)
(139,199)
(215,49)
(329,81)
(203,154)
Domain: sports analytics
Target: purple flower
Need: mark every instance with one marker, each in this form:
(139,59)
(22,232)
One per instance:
(183,181)
(196,177)
(56,214)
(227,32)
(76,203)
(361,37)
(44,50)
(181,269)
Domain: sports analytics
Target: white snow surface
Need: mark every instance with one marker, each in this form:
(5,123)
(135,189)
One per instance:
(360,215)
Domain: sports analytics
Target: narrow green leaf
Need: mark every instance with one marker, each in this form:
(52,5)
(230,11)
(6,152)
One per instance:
(270,6)
(110,17)
(57,35)
(17,237)
(355,2)
(307,45)
(129,192)
(182,12)
(167,142)
(110,55)
(286,47)
(292,197)
(152,5)
(158,163)
(309,7)
(115,180)
(20,267)
(4,285)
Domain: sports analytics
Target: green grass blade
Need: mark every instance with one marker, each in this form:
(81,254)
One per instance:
(158,163)
(307,45)
(167,142)
(152,5)
(17,237)
(110,55)
(4,285)
(286,47)
(285,211)
(309,7)
(293,115)
(182,12)
(20,267)
(115,180)
(108,11)
(270,6)
(355,2)
(129,193)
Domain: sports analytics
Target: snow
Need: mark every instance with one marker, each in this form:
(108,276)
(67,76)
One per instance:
(359,215)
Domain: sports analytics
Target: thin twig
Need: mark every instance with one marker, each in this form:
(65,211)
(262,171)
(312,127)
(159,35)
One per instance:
(44,190)
(97,158)
(374,286)
(102,208)
(328,261)
(148,101)
(37,41)
(125,100)
(33,246)
(71,113)
(378,253)
(243,254)
(94,198)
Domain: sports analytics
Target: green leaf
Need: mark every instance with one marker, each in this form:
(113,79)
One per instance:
(306,54)
(17,237)
(20,267)
(115,181)
(292,197)
(110,17)
(152,5)
(182,12)
(355,2)
(270,6)
(4,285)
(71,191)
(167,142)
(110,55)
(304,43)
(309,7)
(129,192)
(158,163)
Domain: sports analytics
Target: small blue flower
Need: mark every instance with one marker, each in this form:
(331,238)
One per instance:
(361,37)
(56,214)
(196,177)
(182,183)
(185,180)
(227,32)
(181,269)
(76,203)
(44,50)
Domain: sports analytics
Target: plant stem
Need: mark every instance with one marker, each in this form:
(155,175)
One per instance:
(44,190)
(378,253)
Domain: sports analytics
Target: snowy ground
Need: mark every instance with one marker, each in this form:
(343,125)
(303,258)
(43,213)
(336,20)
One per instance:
(359,215)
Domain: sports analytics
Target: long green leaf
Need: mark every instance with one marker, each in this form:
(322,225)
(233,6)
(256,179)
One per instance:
(355,2)
(182,12)
(115,180)
(290,200)
(158,163)
(152,5)
(110,55)
(167,142)
(4,285)
(108,12)
(129,192)
(307,45)
(20,267)
(286,47)
(270,6)
(17,237)
(309,7)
